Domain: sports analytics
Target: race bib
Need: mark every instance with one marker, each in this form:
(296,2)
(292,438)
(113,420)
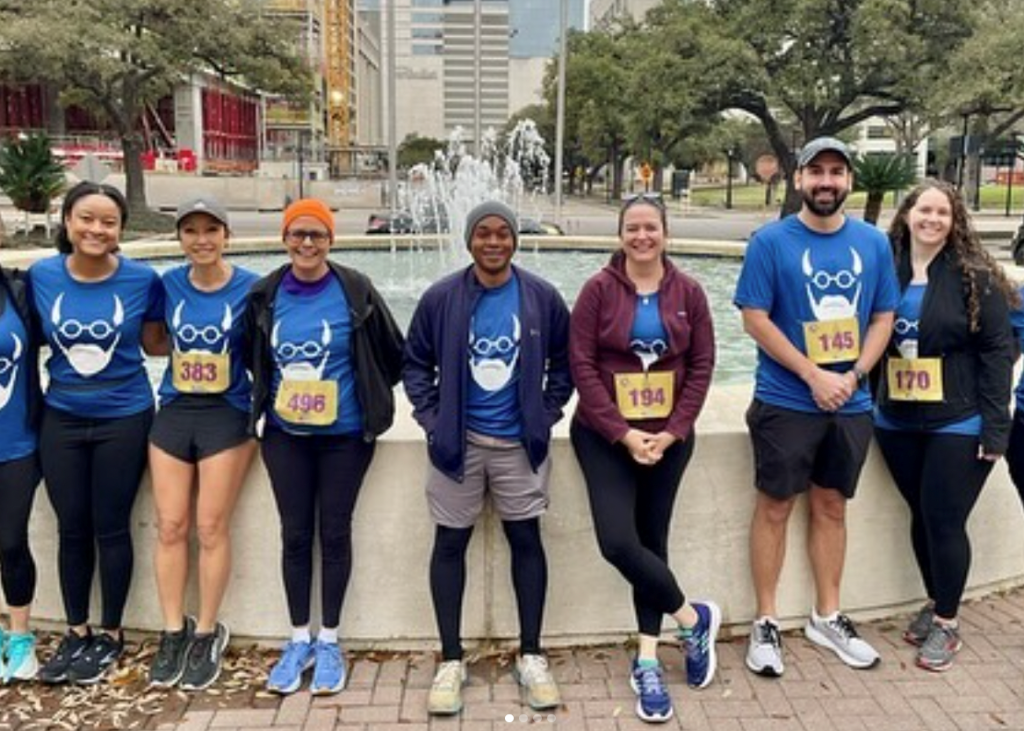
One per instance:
(200,372)
(644,395)
(915,379)
(309,403)
(832,341)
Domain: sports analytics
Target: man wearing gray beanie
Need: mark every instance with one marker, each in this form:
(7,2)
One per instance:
(487,372)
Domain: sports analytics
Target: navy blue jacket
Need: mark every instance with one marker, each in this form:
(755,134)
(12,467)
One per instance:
(436,365)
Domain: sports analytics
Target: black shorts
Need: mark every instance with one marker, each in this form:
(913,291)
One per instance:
(192,428)
(793,449)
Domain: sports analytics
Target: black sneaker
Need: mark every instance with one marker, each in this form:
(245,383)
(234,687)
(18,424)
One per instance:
(72,645)
(204,657)
(169,663)
(90,666)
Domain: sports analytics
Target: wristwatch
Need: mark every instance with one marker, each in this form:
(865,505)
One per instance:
(861,375)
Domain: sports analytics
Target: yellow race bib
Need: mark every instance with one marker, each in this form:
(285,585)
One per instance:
(832,341)
(200,372)
(915,379)
(308,403)
(644,395)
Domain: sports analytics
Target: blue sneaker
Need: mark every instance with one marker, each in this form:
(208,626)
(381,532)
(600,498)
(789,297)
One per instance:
(653,703)
(3,653)
(286,675)
(20,662)
(698,644)
(330,673)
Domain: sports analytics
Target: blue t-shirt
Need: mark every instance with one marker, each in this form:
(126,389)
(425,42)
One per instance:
(311,340)
(906,335)
(94,330)
(16,436)
(208,322)
(798,276)
(492,401)
(648,337)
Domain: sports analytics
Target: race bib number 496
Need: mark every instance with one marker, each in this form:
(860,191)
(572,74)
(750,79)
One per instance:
(310,403)
(832,341)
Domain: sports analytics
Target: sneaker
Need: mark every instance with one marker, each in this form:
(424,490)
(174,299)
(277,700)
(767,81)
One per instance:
(330,673)
(72,645)
(3,653)
(203,660)
(653,703)
(445,697)
(533,674)
(103,652)
(764,649)
(698,644)
(839,635)
(19,653)
(169,662)
(940,648)
(920,626)
(286,675)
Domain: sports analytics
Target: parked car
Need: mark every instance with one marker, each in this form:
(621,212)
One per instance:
(399,222)
(535,227)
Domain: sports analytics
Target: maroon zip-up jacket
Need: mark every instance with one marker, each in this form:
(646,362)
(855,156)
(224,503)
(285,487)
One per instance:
(599,347)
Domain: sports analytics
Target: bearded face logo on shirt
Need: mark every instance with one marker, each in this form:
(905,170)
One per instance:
(210,339)
(492,361)
(833,295)
(88,346)
(297,360)
(9,371)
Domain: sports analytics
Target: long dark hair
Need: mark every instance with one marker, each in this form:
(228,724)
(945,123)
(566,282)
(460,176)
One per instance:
(77,193)
(963,241)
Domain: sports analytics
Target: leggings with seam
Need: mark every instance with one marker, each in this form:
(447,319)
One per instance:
(529,579)
(1015,453)
(940,477)
(631,505)
(19,479)
(92,469)
(313,477)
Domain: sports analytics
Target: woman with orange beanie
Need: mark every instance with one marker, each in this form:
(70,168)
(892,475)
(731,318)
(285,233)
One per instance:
(325,353)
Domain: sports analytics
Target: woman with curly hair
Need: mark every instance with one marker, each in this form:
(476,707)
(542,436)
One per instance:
(943,403)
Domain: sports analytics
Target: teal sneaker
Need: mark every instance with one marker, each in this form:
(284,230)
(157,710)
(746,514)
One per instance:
(20,661)
(330,672)
(286,675)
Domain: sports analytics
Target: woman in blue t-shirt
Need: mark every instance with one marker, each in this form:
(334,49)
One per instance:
(20,403)
(943,402)
(97,311)
(200,437)
(325,355)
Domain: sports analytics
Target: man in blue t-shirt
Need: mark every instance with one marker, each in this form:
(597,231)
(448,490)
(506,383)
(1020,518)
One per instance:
(818,291)
(487,371)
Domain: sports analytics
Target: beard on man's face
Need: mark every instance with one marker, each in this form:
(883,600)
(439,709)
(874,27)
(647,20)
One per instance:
(825,207)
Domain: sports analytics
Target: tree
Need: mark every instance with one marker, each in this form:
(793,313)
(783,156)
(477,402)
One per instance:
(825,65)
(29,174)
(877,174)
(116,56)
(414,150)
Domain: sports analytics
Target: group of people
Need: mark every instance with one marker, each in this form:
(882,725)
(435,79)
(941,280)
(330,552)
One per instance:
(303,362)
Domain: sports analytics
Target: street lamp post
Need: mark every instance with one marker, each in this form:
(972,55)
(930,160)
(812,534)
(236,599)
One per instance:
(560,109)
(728,178)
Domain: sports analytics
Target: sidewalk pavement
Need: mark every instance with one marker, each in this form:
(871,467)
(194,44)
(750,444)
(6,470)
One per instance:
(387,691)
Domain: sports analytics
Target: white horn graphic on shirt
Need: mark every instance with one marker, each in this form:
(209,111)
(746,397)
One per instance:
(296,360)
(828,292)
(6,389)
(189,337)
(487,358)
(87,358)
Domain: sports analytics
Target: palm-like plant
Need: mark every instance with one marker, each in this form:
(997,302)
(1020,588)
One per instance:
(877,174)
(29,174)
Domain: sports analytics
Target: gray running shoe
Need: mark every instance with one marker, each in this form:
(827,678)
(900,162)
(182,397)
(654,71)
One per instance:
(920,626)
(203,660)
(839,635)
(940,648)
(764,651)
(169,661)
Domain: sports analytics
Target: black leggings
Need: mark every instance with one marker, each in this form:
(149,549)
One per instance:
(529,578)
(940,477)
(18,481)
(92,469)
(631,505)
(310,475)
(1015,453)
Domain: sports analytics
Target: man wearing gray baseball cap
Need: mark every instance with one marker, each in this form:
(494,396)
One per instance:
(818,294)
(487,371)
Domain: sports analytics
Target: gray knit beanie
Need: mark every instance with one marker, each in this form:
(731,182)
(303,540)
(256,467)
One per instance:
(492,208)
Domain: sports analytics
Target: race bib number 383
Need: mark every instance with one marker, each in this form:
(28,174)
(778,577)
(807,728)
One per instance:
(310,403)
(200,372)
(832,341)
(644,395)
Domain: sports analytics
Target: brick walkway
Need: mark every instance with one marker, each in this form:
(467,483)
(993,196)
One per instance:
(984,690)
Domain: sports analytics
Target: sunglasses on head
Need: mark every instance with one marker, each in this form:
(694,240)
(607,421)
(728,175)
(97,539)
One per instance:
(655,199)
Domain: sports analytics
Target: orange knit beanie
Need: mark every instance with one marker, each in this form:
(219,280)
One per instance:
(308,207)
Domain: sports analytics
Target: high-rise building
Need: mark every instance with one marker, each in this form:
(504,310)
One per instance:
(605,12)
(533,26)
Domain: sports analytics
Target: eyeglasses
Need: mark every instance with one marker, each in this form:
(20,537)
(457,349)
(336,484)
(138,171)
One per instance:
(299,236)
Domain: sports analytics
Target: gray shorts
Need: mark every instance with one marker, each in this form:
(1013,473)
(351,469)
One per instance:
(500,466)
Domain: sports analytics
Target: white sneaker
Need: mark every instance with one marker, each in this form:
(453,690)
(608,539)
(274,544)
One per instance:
(445,697)
(538,683)
(838,634)
(764,650)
